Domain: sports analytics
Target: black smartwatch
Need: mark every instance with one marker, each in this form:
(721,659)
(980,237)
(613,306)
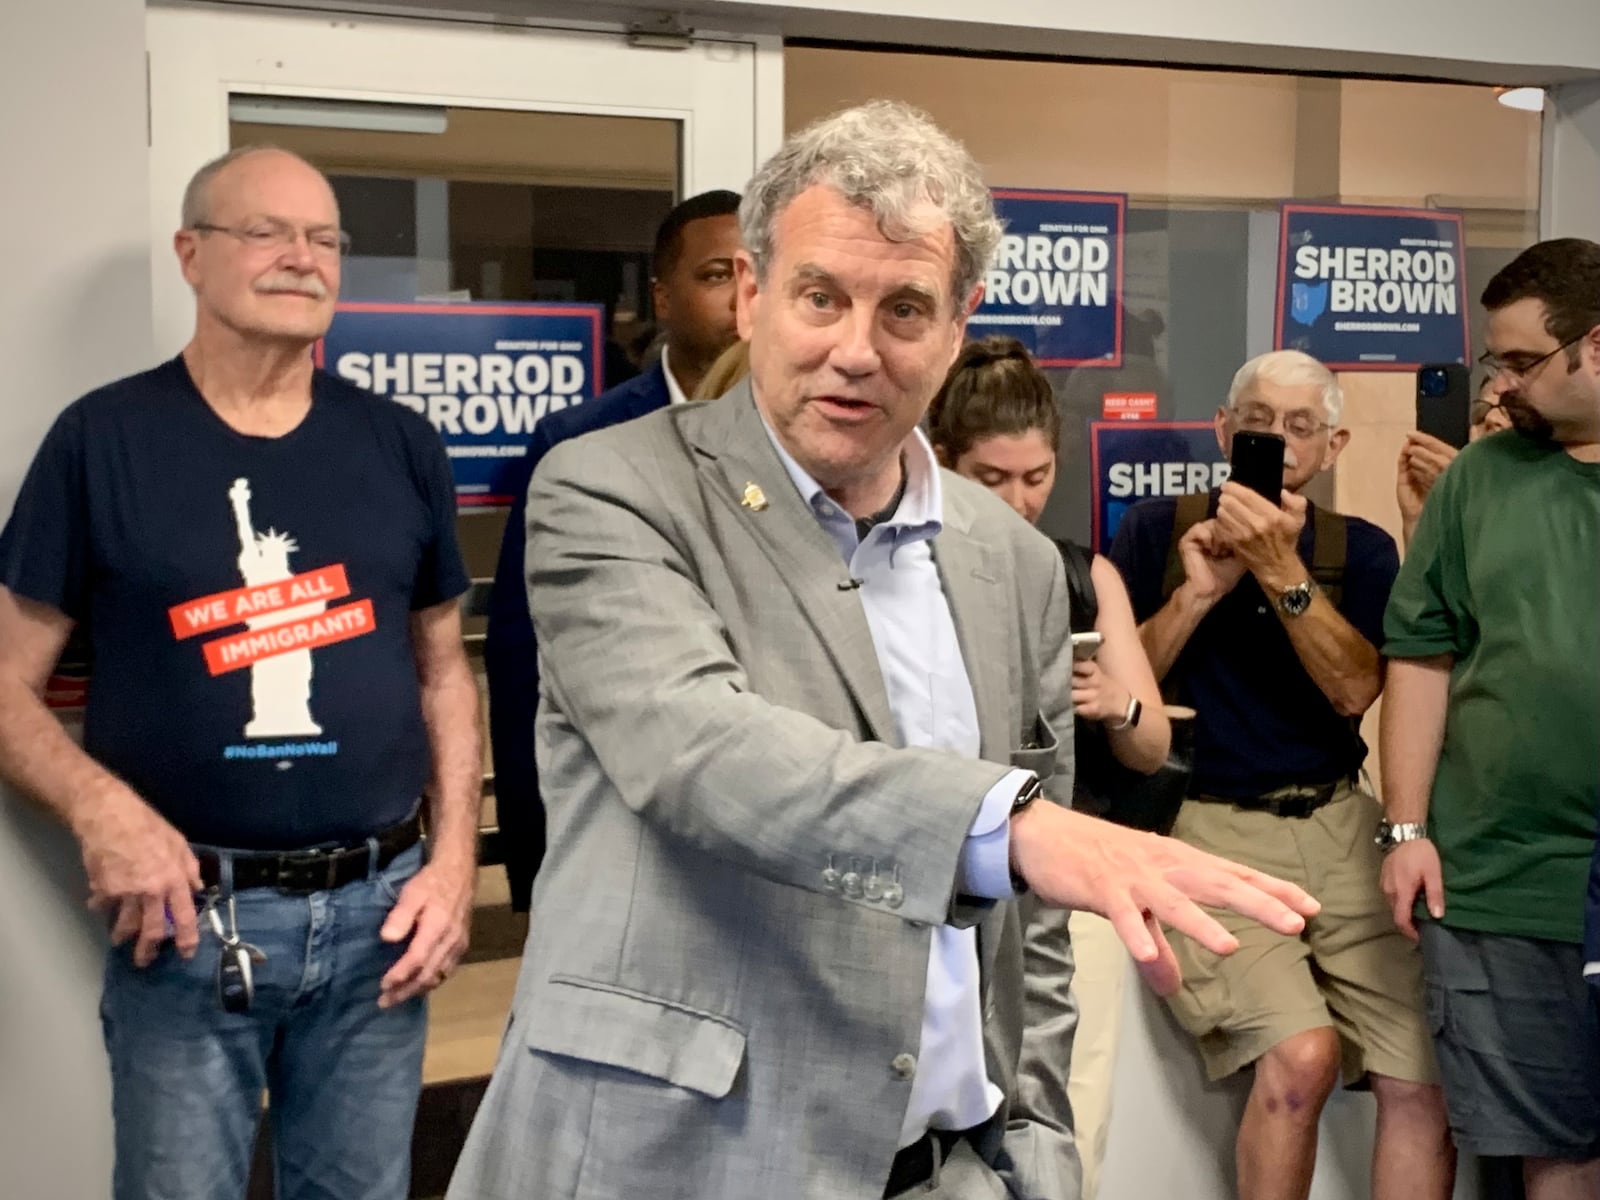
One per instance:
(1131,717)
(1030,791)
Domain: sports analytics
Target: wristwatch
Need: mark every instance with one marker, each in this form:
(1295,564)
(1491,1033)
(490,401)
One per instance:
(1030,791)
(1131,717)
(1391,834)
(1293,601)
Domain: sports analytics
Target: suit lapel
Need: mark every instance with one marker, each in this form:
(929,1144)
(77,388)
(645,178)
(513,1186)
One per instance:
(971,580)
(796,547)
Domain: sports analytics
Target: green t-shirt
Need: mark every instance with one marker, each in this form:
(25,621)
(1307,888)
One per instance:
(1504,575)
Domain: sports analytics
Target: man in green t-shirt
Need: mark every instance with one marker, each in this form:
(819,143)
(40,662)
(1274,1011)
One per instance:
(1491,737)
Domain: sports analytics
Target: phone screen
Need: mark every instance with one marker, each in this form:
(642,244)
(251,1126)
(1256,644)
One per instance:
(1257,463)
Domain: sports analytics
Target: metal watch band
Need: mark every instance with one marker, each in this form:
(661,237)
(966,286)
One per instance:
(1391,834)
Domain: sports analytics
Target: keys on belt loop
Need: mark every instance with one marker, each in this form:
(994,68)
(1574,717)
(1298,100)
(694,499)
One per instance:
(236,989)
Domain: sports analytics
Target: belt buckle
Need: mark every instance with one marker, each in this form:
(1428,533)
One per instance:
(1293,807)
(1299,801)
(300,872)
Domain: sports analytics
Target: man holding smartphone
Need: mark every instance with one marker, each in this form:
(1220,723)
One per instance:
(1490,761)
(1264,615)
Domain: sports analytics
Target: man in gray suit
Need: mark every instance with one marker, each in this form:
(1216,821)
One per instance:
(800,691)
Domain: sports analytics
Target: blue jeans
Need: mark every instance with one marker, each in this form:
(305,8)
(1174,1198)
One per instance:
(341,1075)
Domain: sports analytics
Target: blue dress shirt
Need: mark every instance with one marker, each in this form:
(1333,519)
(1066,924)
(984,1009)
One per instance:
(931,699)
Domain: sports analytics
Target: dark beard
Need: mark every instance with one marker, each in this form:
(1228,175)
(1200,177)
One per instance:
(1525,420)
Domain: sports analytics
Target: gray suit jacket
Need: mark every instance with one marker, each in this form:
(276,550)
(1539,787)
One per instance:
(698,1015)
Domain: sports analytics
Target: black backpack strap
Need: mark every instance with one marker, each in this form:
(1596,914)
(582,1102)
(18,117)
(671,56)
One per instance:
(1329,544)
(1330,541)
(1084,604)
(1191,510)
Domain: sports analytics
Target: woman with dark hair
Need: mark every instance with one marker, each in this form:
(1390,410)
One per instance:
(995,421)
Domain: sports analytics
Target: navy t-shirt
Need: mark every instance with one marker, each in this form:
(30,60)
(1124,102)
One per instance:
(247,601)
(1261,722)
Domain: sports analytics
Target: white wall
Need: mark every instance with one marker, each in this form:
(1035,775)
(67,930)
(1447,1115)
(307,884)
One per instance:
(1571,200)
(76,312)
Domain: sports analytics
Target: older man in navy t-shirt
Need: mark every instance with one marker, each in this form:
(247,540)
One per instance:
(264,561)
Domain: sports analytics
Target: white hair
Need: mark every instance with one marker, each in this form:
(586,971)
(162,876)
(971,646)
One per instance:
(196,208)
(890,159)
(1290,368)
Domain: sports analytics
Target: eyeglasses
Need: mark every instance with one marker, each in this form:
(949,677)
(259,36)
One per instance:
(1260,418)
(271,234)
(1520,363)
(1480,411)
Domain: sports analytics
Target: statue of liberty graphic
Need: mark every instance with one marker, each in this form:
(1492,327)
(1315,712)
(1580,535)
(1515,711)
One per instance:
(280,686)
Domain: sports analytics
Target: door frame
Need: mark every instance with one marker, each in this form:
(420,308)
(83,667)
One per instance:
(725,92)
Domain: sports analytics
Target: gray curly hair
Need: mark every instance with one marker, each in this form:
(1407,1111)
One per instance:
(888,158)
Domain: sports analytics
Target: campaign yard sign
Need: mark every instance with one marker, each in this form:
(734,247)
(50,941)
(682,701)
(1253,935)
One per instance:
(1056,281)
(1132,461)
(1372,289)
(483,373)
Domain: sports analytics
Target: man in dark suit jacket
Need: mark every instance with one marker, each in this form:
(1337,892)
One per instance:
(692,291)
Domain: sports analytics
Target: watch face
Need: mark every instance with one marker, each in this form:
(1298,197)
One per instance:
(1296,600)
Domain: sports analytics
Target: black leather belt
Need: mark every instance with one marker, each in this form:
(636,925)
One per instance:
(916,1163)
(306,871)
(1297,801)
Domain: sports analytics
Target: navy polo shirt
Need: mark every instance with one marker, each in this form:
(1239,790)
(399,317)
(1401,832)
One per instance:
(1261,721)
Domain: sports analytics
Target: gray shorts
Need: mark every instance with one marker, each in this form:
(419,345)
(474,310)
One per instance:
(1517,1034)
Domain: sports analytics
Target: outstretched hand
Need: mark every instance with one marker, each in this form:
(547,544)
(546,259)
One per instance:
(1140,882)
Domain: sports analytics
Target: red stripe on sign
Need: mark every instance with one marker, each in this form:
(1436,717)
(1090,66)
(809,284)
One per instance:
(66,691)
(221,609)
(1129,406)
(240,650)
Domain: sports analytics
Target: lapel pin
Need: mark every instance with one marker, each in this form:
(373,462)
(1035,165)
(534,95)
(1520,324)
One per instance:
(754,498)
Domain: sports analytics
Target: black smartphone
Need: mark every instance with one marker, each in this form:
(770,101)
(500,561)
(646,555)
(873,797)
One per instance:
(1444,402)
(1257,463)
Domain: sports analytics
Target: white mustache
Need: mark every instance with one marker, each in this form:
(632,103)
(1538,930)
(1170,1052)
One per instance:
(289,281)
(1290,462)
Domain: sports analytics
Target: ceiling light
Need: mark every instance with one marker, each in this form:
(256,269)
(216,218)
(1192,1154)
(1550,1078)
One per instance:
(1528,99)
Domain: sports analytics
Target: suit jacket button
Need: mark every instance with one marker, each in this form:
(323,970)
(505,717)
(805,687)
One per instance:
(903,1065)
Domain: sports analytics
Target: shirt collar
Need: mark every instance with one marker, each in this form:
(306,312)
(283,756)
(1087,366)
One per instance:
(674,392)
(921,508)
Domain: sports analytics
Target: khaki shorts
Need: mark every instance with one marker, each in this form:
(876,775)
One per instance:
(1351,969)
